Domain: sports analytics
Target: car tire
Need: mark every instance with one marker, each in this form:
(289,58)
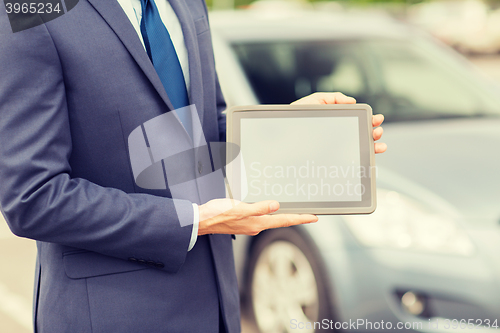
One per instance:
(286,286)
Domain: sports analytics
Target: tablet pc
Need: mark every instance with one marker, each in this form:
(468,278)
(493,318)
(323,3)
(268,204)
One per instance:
(316,159)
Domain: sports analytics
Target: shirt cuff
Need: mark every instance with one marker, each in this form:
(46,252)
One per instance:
(196,224)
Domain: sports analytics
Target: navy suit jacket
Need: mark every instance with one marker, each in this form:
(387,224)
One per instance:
(112,257)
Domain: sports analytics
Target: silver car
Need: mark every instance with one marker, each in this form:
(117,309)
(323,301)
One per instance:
(428,259)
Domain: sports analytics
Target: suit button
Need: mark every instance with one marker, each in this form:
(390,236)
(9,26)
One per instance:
(132,259)
(151,263)
(142,261)
(159,265)
(200,167)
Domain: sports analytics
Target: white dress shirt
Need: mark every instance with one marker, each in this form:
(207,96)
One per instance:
(133,10)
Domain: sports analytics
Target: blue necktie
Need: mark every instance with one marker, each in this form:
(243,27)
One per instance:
(162,53)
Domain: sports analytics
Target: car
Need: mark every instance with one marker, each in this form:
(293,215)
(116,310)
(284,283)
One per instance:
(428,259)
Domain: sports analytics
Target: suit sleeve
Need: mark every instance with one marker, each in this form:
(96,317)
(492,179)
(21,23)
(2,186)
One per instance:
(38,197)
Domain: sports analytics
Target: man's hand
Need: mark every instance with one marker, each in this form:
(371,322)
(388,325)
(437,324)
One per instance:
(226,216)
(339,98)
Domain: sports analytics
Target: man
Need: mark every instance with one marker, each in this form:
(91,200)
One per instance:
(113,257)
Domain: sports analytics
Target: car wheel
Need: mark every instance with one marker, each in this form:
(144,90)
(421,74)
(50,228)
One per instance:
(286,285)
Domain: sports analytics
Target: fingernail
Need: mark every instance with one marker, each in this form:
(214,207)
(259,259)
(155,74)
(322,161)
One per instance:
(274,206)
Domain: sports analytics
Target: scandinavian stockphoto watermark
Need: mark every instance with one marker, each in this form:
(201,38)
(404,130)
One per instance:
(367,325)
(309,181)
(164,156)
(358,324)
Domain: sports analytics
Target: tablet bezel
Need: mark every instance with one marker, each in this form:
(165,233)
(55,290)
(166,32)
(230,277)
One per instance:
(364,113)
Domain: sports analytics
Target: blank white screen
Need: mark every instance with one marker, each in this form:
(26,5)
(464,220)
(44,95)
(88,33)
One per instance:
(312,159)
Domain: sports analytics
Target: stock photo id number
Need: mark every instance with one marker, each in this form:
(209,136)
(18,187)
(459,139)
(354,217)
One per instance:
(26,14)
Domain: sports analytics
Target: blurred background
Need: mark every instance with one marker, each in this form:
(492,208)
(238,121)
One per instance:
(431,251)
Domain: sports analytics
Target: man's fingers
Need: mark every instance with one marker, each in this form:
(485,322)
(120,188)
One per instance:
(286,220)
(326,98)
(251,219)
(334,98)
(260,208)
(377,120)
(380,147)
(377,133)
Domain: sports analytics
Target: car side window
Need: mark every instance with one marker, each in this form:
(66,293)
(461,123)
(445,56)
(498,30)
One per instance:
(282,72)
(405,80)
(419,82)
(346,78)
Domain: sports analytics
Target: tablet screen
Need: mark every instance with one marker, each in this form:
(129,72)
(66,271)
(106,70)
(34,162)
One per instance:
(313,159)
(303,159)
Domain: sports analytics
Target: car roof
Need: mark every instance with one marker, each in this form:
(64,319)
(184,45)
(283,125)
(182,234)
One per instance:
(256,25)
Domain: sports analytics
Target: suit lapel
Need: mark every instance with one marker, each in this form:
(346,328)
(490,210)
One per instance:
(116,18)
(191,41)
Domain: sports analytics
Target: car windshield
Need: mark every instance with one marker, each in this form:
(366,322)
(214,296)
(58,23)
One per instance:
(405,80)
